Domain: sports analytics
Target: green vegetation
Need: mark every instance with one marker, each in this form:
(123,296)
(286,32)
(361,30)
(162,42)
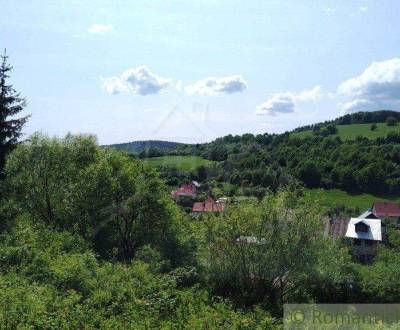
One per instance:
(89,238)
(351,132)
(11,104)
(255,164)
(136,147)
(182,163)
(333,197)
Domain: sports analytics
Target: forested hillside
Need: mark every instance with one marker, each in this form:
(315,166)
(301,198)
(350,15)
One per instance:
(255,163)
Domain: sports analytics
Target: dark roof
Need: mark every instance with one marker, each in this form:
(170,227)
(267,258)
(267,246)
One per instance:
(386,209)
(337,227)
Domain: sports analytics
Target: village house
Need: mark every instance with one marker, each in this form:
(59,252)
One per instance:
(365,234)
(209,205)
(380,210)
(385,211)
(187,189)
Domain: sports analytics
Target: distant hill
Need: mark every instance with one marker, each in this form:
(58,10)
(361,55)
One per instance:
(136,147)
(352,131)
(362,117)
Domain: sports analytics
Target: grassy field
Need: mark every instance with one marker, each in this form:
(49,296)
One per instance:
(350,132)
(183,163)
(336,196)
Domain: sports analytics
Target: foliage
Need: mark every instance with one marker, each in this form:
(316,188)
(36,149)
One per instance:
(264,253)
(113,201)
(180,163)
(265,161)
(137,147)
(391,121)
(379,282)
(11,104)
(51,280)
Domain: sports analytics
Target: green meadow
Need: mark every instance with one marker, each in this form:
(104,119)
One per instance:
(350,132)
(332,197)
(183,163)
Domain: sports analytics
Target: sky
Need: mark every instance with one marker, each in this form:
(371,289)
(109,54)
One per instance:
(191,71)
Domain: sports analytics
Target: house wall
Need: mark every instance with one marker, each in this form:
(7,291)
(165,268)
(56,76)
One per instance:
(364,250)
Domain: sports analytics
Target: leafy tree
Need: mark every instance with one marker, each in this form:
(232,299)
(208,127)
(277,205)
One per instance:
(309,173)
(373,127)
(378,282)
(11,104)
(263,253)
(117,203)
(52,280)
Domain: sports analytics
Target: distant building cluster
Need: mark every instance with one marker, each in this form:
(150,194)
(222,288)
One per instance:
(208,205)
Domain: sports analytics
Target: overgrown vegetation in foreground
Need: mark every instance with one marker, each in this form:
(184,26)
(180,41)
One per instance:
(91,239)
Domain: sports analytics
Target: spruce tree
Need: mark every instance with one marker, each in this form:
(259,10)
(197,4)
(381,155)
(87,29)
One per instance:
(11,103)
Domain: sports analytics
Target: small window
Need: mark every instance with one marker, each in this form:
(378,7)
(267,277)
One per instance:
(361,227)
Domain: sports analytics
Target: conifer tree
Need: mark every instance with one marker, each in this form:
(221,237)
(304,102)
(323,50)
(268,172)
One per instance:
(11,103)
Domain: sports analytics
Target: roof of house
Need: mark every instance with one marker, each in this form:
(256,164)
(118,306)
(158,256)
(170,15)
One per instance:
(374,233)
(185,190)
(386,209)
(209,205)
(367,215)
(337,227)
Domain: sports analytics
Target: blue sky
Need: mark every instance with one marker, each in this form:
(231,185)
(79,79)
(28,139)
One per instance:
(194,70)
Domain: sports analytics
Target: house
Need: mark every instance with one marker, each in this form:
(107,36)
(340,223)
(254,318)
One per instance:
(382,210)
(189,189)
(365,233)
(386,210)
(209,205)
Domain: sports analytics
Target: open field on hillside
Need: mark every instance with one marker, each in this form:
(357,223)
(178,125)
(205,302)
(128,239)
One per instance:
(183,163)
(350,132)
(334,197)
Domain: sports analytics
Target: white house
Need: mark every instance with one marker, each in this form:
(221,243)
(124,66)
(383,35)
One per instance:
(366,233)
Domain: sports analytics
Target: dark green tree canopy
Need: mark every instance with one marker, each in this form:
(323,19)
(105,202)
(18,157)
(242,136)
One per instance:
(11,103)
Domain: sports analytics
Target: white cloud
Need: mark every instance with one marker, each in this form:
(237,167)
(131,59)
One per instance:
(377,87)
(217,86)
(288,101)
(99,28)
(363,8)
(277,103)
(139,80)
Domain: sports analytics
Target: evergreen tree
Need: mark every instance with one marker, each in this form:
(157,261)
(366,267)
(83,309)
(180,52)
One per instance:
(10,105)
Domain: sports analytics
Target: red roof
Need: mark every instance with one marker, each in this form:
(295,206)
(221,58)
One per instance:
(384,209)
(185,190)
(209,205)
